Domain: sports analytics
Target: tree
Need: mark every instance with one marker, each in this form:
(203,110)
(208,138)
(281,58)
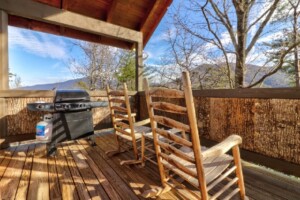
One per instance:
(288,15)
(234,28)
(14,79)
(187,53)
(98,65)
(126,73)
(17,81)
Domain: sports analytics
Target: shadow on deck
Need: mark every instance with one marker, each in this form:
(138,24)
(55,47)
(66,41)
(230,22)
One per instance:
(80,171)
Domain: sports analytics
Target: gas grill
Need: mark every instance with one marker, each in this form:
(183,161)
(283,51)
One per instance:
(72,115)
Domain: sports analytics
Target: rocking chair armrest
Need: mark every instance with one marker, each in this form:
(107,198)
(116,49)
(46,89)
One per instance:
(223,147)
(143,122)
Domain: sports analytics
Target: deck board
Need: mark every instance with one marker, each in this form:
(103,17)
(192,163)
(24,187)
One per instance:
(81,171)
(14,169)
(54,187)
(25,177)
(67,186)
(39,182)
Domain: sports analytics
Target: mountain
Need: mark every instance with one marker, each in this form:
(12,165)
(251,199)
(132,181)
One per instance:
(70,84)
(253,73)
(277,80)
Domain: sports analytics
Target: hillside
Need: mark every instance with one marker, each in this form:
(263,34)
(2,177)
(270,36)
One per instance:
(275,81)
(70,84)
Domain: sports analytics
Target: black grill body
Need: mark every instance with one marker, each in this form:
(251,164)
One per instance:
(72,115)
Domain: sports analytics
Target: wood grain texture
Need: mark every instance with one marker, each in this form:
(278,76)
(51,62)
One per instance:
(260,182)
(98,173)
(11,178)
(39,184)
(109,171)
(78,180)
(26,173)
(67,186)
(93,186)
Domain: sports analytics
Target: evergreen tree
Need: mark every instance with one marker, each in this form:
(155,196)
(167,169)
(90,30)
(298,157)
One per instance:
(126,73)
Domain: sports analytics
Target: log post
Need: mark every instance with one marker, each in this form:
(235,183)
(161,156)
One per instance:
(139,74)
(3,75)
(139,66)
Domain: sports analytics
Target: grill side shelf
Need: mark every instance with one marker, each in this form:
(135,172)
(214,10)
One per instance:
(49,107)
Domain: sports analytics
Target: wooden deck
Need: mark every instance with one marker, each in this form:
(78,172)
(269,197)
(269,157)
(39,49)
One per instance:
(80,171)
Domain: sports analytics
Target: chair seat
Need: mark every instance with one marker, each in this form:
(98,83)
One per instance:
(213,166)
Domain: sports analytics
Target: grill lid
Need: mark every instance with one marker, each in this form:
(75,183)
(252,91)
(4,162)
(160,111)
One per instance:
(71,96)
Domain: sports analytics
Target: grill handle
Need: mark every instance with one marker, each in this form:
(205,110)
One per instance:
(71,99)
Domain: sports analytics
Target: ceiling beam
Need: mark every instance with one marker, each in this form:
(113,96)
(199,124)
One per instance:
(153,17)
(41,12)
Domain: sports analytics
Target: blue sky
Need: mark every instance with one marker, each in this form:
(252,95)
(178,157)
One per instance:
(40,58)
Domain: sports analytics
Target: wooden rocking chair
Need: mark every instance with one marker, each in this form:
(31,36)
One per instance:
(183,163)
(127,132)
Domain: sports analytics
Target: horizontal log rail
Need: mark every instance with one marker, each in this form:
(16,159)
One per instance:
(259,93)
(47,93)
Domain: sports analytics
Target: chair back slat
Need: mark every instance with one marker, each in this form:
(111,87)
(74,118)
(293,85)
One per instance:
(173,137)
(122,125)
(171,123)
(119,116)
(175,163)
(169,107)
(175,151)
(119,109)
(117,100)
(120,130)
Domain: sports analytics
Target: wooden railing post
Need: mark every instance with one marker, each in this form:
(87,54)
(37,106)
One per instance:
(3,75)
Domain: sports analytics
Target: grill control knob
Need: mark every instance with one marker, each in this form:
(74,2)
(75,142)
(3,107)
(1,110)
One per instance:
(40,106)
(67,107)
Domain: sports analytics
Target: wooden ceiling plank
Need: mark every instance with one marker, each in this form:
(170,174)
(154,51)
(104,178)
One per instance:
(154,18)
(48,14)
(64,4)
(110,12)
(150,12)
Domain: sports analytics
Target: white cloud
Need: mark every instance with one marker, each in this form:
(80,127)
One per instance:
(36,43)
(224,38)
(271,37)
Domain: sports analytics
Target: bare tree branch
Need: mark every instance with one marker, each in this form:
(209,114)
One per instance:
(277,67)
(262,26)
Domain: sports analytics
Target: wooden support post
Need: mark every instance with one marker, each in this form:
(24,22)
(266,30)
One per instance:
(3,51)
(139,66)
(3,75)
(139,74)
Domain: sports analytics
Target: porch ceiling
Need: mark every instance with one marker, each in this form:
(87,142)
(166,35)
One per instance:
(142,16)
